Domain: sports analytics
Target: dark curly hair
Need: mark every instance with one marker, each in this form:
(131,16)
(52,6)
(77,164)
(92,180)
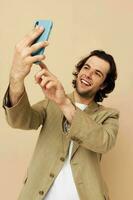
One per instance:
(111,76)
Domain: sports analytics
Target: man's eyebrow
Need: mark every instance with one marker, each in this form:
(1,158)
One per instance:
(99,72)
(96,69)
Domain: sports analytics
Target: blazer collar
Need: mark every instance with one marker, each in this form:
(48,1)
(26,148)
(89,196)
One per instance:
(92,107)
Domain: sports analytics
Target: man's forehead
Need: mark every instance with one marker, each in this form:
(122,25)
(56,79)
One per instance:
(97,63)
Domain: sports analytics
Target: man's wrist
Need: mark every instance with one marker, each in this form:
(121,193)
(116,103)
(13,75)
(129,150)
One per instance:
(16,90)
(68,109)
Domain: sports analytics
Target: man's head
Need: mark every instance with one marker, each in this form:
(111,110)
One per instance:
(95,76)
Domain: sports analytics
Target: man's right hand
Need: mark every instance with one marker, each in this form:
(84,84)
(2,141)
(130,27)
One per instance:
(23,61)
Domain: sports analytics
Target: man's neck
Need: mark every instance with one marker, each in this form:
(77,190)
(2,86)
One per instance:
(80,99)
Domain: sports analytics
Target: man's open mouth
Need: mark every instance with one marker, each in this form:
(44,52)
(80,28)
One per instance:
(85,82)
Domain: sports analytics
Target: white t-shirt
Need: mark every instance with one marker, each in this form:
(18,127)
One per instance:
(64,187)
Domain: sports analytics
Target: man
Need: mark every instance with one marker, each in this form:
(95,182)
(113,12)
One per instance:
(76,130)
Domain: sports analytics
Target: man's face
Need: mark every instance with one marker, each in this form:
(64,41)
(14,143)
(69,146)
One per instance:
(91,77)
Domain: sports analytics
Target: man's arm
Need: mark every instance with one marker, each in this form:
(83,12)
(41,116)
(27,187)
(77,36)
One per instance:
(18,110)
(16,90)
(22,63)
(98,136)
(22,115)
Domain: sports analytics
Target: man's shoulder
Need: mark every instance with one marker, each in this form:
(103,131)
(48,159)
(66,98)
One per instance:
(107,109)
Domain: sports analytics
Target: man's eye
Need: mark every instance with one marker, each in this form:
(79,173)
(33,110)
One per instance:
(85,67)
(98,74)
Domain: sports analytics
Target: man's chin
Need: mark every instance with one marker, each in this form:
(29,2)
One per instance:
(85,94)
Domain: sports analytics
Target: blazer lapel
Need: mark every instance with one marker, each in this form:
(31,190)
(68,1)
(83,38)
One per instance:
(92,107)
(75,148)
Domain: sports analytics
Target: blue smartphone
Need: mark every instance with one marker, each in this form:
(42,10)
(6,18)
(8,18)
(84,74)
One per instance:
(47,24)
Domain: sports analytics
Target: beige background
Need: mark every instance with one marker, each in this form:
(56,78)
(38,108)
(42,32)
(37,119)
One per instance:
(79,27)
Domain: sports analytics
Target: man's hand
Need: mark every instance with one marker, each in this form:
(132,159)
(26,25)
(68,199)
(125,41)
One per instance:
(50,85)
(53,89)
(23,61)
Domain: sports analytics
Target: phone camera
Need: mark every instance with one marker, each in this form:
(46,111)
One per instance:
(37,23)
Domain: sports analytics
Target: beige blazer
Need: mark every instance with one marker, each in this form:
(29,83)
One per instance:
(93,131)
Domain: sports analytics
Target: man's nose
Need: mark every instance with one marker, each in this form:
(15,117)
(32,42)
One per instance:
(90,73)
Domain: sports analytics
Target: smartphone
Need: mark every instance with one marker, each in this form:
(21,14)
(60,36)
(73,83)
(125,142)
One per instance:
(47,24)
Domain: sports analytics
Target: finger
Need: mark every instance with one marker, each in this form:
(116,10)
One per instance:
(46,72)
(44,82)
(29,38)
(38,46)
(33,59)
(50,84)
(40,77)
(29,50)
(43,66)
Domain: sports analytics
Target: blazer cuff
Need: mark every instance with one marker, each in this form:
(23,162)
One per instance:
(22,101)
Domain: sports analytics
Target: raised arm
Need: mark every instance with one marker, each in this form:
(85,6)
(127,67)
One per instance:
(22,63)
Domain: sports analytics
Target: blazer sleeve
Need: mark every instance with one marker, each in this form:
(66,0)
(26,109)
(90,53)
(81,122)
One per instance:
(23,115)
(92,135)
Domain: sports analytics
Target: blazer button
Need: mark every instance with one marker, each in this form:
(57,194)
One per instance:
(80,142)
(51,175)
(74,138)
(41,192)
(62,159)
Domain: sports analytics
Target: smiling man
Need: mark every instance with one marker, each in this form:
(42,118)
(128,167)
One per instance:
(92,75)
(76,130)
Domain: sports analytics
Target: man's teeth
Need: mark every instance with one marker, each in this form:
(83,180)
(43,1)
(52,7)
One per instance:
(85,82)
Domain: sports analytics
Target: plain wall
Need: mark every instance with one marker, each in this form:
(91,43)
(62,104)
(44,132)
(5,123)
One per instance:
(79,27)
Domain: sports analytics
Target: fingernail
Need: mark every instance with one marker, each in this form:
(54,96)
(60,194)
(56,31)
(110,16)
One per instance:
(46,42)
(41,27)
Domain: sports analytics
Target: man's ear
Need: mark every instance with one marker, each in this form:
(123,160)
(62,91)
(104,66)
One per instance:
(103,86)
